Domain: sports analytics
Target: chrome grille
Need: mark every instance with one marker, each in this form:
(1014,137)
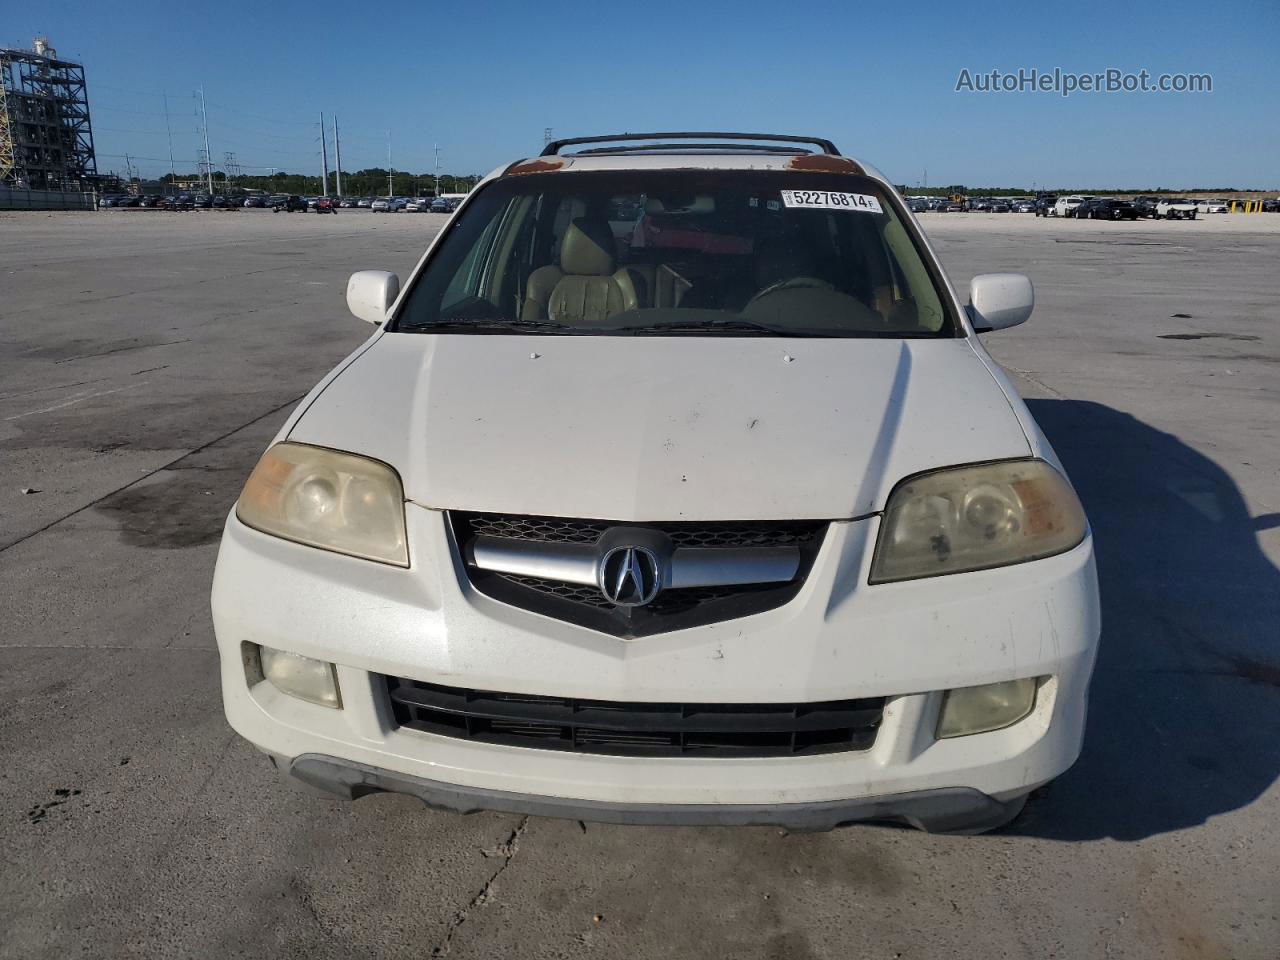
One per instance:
(769,562)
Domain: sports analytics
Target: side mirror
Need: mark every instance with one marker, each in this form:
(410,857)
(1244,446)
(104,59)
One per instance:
(370,294)
(999,300)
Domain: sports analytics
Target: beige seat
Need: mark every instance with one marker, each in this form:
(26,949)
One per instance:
(584,287)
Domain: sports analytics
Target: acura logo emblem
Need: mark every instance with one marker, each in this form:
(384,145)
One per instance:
(629,576)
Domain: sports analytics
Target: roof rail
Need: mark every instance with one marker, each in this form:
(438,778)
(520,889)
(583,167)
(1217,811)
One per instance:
(555,146)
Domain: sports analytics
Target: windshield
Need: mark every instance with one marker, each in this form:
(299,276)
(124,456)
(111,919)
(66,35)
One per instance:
(738,253)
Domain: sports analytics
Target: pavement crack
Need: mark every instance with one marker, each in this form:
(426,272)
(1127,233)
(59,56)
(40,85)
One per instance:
(151,473)
(1032,378)
(507,850)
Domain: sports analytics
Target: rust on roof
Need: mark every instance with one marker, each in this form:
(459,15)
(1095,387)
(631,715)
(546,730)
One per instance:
(535,165)
(823,163)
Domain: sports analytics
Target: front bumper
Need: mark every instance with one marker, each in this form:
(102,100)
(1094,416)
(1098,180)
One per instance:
(839,638)
(937,811)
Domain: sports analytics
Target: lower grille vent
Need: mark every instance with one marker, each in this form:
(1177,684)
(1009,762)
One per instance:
(637,729)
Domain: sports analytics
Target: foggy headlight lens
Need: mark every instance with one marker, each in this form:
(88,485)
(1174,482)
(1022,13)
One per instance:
(970,518)
(991,706)
(301,677)
(326,499)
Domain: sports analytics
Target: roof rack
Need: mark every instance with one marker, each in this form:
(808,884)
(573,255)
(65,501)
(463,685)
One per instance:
(555,146)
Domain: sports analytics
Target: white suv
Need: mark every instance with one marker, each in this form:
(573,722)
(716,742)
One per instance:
(674,486)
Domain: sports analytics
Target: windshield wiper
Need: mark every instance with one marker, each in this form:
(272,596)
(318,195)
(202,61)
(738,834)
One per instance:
(492,326)
(729,325)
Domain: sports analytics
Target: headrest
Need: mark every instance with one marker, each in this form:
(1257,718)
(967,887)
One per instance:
(587,249)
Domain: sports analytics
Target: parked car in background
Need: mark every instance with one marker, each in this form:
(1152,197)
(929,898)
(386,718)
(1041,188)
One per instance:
(454,202)
(365,202)
(418,205)
(380,205)
(1211,206)
(289,203)
(1271,205)
(397,204)
(1145,205)
(440,205)
(998,206)
(1045,203)
(1066,206)
(1104,208)
(1176,208)
(325,205)
(348,203)
(917,205)
(1025,205)
(258,202)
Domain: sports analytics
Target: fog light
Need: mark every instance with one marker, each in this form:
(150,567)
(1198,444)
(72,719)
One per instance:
(302,677)
(991,706)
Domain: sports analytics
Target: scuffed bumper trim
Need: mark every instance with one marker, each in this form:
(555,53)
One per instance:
(955,809)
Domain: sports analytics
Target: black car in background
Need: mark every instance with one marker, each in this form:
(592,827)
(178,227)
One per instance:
(1104,208)
(288,203)
(1044,204)
(1146,206)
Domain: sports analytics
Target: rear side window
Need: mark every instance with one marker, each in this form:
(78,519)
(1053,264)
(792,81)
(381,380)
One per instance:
(667,252)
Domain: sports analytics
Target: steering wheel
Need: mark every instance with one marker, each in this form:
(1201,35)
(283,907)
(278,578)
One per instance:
(791,283)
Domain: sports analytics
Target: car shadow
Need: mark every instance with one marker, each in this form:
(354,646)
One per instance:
(1184,717)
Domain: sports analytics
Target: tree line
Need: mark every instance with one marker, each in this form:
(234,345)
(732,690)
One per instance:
(371,182)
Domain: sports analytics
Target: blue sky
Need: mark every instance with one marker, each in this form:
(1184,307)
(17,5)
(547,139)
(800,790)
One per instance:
(483,79)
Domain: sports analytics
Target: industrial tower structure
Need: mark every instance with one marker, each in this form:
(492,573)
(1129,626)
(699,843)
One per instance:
(46,142)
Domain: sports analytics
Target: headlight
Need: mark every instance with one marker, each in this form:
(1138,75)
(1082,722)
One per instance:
(326,499)
(971,518)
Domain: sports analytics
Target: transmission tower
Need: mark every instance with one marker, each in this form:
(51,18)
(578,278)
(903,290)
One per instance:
(206,168)
(231,166)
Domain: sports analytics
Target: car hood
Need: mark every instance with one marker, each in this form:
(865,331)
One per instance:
(663,428)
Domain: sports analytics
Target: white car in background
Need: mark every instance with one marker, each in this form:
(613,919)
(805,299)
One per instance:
(727,517)
(1176,208)
(1211,206)
(381,205)
(1066,206)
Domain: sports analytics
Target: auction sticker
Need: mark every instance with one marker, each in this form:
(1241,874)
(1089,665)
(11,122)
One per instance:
(830,200)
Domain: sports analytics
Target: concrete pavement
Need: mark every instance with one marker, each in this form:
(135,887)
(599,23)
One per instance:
(145,361)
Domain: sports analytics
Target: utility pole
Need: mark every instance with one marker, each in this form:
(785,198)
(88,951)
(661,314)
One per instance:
(546,135)
(324,160)
(437,149)
(173,174)
(204,116)
(337,157)
(391,170)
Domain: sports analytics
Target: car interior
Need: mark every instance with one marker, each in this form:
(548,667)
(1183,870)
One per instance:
(602,260)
